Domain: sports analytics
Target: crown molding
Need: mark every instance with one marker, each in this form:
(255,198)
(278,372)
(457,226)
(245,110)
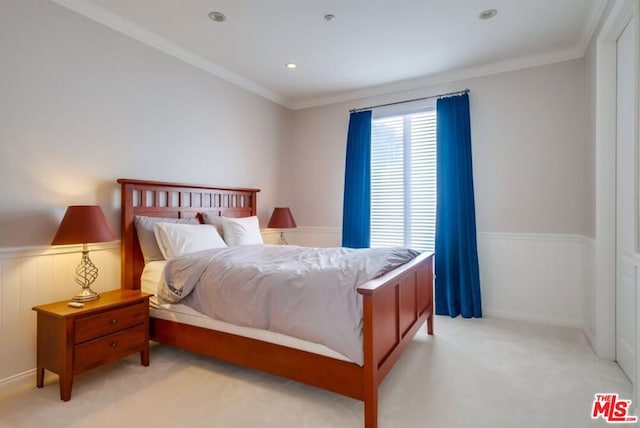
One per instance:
(117,23)
(442,78)
(596,11)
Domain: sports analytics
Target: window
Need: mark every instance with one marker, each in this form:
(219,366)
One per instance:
(403,180)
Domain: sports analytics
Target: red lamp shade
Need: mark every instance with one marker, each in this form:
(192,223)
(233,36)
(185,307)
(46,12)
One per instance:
(83,224)
(282,219)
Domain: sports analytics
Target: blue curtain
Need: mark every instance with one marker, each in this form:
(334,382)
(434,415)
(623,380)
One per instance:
(356,217)
(457,284)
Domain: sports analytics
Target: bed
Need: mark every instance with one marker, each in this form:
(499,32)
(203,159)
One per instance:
(395,305)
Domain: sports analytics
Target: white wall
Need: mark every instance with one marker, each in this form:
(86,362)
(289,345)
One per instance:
(82,105)
(529,149)
(533,180)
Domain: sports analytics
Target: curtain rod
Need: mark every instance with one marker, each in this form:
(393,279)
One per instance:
(448,94)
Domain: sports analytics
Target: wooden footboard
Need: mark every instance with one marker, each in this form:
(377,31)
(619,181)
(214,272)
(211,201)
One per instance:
(394,309)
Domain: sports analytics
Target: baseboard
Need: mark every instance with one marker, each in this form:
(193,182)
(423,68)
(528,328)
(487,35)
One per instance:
(590,337)
(18,381)
(553,321)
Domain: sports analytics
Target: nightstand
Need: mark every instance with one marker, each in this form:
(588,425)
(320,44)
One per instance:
(73,340)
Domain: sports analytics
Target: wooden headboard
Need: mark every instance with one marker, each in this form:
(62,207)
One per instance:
(172,200)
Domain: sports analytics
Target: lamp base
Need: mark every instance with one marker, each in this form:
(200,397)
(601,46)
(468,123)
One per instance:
(283,240)
(86,295)
(86,273)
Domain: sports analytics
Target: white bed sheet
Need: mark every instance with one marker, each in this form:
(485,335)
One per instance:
(185,314)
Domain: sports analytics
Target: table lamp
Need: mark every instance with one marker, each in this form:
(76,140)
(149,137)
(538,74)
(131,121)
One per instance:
(84,224)
(282,219)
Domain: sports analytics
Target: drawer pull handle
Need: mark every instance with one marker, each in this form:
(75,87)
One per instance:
(114,344)
(113,321)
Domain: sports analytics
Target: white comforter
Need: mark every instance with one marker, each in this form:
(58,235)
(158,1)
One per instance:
(308,293)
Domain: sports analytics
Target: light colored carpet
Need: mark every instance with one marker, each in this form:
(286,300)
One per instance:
(472,373)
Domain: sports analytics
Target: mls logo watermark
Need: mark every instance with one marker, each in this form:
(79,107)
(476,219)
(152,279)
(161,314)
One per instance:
(612,409)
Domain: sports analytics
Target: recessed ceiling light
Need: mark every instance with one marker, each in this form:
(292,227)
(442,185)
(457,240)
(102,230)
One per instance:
(291,65)
(217,16)
(329,17)
(488,14)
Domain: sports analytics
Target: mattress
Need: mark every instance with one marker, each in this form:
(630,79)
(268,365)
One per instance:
(186,315)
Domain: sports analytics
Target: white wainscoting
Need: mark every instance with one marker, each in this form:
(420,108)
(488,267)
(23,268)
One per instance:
(534,277)
(315,236)
(529,277)
(305,236)
(33,276)
(589,290)
(539,278)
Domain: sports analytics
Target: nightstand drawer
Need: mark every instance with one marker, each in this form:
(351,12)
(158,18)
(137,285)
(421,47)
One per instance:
(109,348)
(98,325)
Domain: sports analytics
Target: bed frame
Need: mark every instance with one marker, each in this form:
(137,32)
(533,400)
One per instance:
(395,305)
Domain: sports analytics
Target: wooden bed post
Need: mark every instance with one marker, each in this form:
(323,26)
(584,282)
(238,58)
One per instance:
(430,279)
(370,372)
(128,235)
(393,311)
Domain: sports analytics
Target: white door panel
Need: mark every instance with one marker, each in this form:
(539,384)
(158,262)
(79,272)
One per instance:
(626,289)
(626,203)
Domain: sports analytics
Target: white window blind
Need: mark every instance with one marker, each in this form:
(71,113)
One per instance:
(403,181)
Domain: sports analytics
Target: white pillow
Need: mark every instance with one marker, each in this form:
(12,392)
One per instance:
(148,242)
(176,239)
(242,231)
(215,220)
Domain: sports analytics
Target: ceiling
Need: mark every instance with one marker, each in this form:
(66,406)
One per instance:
(372,46)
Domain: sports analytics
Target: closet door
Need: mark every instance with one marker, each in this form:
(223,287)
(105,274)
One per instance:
(626,201)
